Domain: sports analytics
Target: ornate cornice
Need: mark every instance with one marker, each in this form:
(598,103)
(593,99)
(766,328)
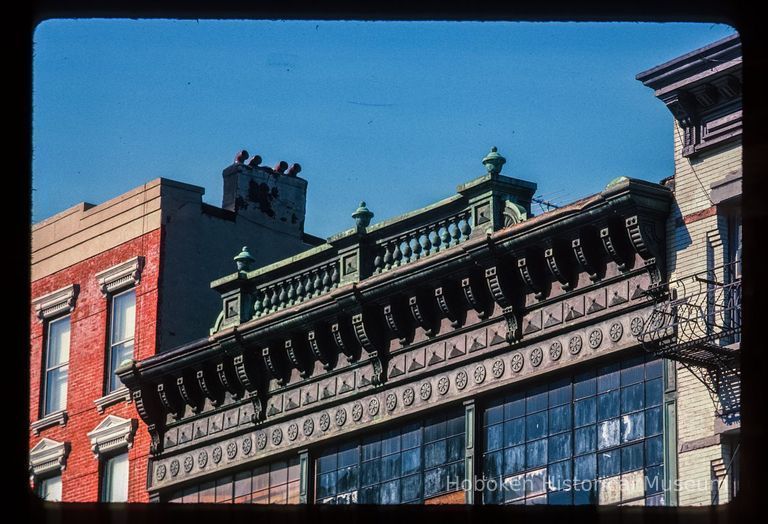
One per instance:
(111,434)
(59,302)
(47,456)
(123,275)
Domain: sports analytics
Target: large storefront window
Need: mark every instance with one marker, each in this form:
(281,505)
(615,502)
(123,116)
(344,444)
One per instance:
(592,438)
(408,464)
(275,483)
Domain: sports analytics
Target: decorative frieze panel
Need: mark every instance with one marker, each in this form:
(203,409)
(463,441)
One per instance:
(449,384)
(123,275)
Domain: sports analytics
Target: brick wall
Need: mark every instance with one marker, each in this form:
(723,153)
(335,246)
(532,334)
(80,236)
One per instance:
(87,361)
(697,235)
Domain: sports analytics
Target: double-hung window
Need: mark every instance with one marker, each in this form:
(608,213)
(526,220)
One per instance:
(56,366)
(121,333)
(49,488)
(114,478)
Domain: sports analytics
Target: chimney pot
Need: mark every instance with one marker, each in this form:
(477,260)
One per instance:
(255,161)
(281,166)
(294,170)
(241,157)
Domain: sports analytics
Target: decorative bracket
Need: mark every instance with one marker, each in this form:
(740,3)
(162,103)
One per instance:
(188,396)
(295,358)
(395,324)
(558,269)
(208,388)
(317,348)
(272,365)
(446,305)
(493,278)
(643,234)
(229,383)
(421,315)
(473,298)
(341,343)
(581,256)
(362,335)
(612,249)
(527,276)
(171,401)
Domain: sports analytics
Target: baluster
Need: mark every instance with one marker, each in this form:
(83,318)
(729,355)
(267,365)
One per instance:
(465,228)
(299,290)
(388,259)
(415,245)
(445,236)
(274,298)
(326,280)
(283,298)
(335,274)
(397,255)
(291,293)
(407,251)
(434,239)
(455,232)
(318,282)
(308,286)
(256,304)
(426,244)
(266,302)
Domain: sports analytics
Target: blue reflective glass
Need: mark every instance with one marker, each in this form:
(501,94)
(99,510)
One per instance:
(654,368)
(632,398)
(654,478)
(431,482)
(390,466)
(536,425)
(535,482)
(327,461)
(455,447)
(368,495)
(390,443)
(347,455)
(655,500)
(434,453)
(371,448)
(608,378)
(560,392)
(326,484)
(654,392)
(632,426)
(560,419)
(608,433)
(536,453)
(514,487)
(411,436)
(632,457)
(609,463)
(434,429)
(585,467)
(654,451)
(494,437)
(346,479)
(559,446)
(584,494)
(584,385)
(632,370)
(410,488)
(536,500)
(653,421)
(585,440)
(370,472)
(494,414)
(608,405)
(514,432)
(491,494)
(390,492)
(585,411)
(514,406)
(410,461)
(560,498)
(492,464)
(455,425)
(536,400)
(559,475)
(514,459)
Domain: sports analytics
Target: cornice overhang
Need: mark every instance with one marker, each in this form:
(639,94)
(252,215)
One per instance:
(349,324)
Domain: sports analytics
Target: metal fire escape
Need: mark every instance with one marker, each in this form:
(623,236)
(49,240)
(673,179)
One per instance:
(697,322)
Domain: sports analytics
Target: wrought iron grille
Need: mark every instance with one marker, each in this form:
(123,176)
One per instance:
(697,318)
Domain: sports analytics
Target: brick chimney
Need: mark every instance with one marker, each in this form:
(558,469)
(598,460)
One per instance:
(274,197)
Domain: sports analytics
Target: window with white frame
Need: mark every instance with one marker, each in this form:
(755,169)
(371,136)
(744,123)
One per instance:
(121,334)
(114,478)
(56,365)
(50,488)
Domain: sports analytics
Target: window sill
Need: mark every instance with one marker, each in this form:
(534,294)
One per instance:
(119,395)
(58,418)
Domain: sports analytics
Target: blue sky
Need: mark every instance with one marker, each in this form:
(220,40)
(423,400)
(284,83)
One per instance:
(394,113)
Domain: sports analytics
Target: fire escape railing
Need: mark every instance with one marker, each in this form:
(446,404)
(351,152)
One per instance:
(697,321)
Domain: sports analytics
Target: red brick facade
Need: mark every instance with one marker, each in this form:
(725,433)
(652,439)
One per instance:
(87,361)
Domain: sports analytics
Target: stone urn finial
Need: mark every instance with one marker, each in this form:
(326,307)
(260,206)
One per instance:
(244,260)
(362,216)
(493,161)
